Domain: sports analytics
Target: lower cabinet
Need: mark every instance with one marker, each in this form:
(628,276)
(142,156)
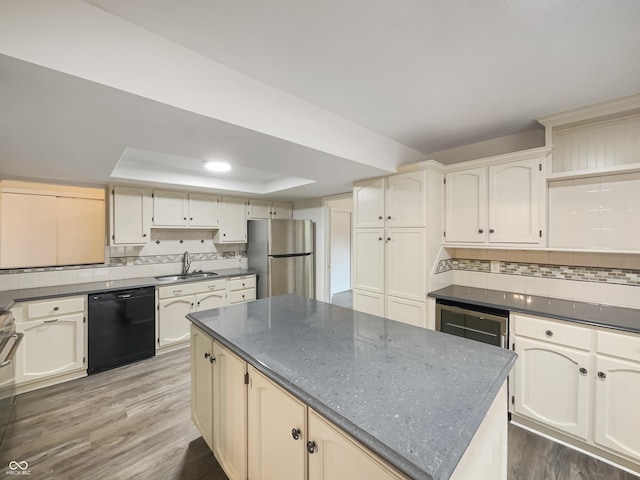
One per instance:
(582,382)
(53,348)
(176,301)
(202,384)
(399,309)
(368,302)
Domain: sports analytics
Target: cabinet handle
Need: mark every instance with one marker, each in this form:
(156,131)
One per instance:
(491,230)
(480,230)
(311,447)
(212,358)
(211,287)
(549,333)
(295,433)
(177,292)
(583,371)
(602,375)
(55,309)
(51,321)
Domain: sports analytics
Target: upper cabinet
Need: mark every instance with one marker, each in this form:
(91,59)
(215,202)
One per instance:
(497,201)
(46,225)
(179,209)
(131,212)
(396,201)
(264,209)
(233,225)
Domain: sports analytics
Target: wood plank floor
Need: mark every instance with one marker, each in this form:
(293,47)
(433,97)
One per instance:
(134,423)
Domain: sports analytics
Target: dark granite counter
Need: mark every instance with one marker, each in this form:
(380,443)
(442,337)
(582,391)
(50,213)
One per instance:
(9,297)
(413,396)
(619,318)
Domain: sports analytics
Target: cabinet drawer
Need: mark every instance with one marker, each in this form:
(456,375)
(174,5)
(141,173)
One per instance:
(240,296)
(558,332)
(193,288)
(58,306)
(241,283)
(619,345)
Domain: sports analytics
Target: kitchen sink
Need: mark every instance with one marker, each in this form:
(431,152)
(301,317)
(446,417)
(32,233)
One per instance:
(188,276)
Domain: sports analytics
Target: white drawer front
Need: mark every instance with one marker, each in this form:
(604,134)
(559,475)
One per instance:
(240,296)
(55,307)
(241,283)
(558,332)
(619,345)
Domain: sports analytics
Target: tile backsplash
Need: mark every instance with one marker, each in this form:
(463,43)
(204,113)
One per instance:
(595,284)
(161,256)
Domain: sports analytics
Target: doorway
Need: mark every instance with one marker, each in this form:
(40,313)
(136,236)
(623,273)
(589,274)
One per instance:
(339,250)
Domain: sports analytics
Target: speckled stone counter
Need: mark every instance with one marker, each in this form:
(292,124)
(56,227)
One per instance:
(627,319)
(9,297)
(413,396)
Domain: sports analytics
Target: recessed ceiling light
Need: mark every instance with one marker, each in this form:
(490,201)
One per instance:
(217,166)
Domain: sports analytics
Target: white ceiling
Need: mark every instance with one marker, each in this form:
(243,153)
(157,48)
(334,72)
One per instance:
(424,74)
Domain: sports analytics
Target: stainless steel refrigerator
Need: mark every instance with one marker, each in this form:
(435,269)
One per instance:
(282,253)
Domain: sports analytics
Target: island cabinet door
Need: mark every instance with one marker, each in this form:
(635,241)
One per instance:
(552,386)
(202,384)
(335,456)
(229,412)
(277,431)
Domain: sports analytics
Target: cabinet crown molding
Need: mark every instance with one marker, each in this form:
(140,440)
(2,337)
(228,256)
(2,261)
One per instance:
(427,164)
(613,107)
(504,158)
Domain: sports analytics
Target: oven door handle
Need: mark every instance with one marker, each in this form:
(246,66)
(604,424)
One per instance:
(471,330)
(12,352)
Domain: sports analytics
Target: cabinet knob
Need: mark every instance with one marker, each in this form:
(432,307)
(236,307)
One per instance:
(184,218)
(144,234)
(583,371)
(380,217)
(491,230)
(55,309)
(380,238)
(549,333)
(311,447)
(389,217)
(190,218)
(192,304)
(602,375)
(212,358)
(295,433)
(207,355)
(480,230)
(388,239)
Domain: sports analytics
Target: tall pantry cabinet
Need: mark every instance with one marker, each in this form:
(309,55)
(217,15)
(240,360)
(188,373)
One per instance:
(397,228)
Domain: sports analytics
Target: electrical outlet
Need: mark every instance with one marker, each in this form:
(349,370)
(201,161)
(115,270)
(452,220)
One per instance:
(495,266)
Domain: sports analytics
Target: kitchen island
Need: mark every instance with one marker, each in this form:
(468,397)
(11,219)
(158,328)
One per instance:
(414,398)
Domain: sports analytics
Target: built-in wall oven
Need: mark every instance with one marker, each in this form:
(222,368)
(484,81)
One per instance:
(483,324)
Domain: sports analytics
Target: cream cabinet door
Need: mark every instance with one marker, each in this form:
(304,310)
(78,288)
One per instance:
(281,210)
(466,206)
(515,202)
(233,227)
(173,327)
(617,425)
(23,215)
(406,200)
(50,347)
(215,299)
(368,248)
(407,311)
(202,384)
(552,386)
(367,302)
(169,209)
(131,215)
(406,263)
(80,233)
(368,203)
(230,412)
(204,210)
(336,456)
(258,209)
(274,419)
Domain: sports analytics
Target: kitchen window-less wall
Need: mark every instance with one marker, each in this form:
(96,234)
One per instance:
(161,256)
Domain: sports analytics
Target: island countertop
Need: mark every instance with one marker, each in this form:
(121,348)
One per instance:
(414,397)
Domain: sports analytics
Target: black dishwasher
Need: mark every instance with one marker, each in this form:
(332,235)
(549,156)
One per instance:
(121,327)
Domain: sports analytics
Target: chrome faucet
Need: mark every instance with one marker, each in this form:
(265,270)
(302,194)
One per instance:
(186,263)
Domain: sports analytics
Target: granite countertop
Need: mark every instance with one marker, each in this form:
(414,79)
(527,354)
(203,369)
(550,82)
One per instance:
(9,297)
(413,396)
(619,318)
